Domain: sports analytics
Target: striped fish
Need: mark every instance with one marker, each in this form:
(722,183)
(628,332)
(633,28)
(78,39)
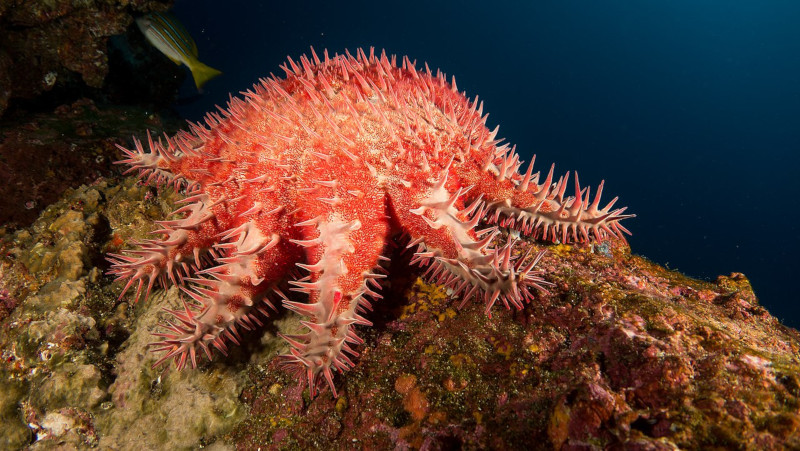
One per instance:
(170,37)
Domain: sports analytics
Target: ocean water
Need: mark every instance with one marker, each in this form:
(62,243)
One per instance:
(689,109)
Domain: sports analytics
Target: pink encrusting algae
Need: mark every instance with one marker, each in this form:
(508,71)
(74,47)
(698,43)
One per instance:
(320,171)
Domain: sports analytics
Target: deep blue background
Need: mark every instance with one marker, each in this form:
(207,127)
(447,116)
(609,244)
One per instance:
(689,109)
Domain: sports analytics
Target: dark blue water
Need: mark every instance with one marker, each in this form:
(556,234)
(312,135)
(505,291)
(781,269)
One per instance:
(689,109)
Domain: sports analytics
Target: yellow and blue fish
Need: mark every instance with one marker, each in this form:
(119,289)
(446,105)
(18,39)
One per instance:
(170,37)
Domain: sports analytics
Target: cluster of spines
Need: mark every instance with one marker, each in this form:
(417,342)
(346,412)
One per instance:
(491,272)
(376,77)
(298,362)
(152,166)
(201,280)
(326,346)
(155,260)
(187,331)
(577,218)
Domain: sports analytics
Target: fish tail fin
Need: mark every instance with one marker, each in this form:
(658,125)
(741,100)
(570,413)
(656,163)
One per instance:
(202,73)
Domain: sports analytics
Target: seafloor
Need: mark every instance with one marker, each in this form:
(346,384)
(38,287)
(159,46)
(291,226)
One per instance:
(621,354)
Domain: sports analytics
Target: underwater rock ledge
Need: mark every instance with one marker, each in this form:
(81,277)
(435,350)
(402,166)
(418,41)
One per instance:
(52,46)
(621,352)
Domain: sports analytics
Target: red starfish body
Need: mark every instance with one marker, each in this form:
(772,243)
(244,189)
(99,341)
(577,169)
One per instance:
(319,171)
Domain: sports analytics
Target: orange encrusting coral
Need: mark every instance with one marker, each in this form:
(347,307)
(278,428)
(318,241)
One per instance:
(319,171)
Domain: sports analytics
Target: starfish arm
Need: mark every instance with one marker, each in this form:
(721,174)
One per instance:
(161,163)
(344,230)
(215,181)
(544,211)
(249,267)
(456,253)
(186,247)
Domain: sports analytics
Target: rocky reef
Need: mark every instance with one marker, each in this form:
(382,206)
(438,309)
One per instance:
(59,50)
(43,154)
(620,353)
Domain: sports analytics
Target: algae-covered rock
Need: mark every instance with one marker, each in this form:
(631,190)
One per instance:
(621,353)
(171,410)
(71,385)
(46,153)
(76,358)
(68,428)
(14,433)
